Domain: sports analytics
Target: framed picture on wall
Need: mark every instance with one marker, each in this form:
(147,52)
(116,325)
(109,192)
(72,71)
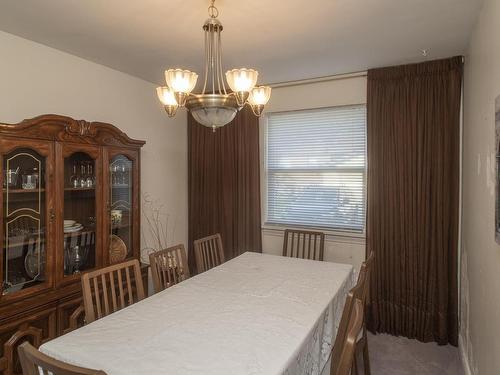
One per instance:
(497,139)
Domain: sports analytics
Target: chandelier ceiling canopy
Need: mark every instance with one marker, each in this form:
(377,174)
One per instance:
(217,105)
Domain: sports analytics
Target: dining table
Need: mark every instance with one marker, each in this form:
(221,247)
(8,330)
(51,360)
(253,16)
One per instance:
(254,314)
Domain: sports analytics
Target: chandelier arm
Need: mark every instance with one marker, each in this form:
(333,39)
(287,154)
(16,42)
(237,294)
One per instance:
(217,59)
(212,62)
(209,73)
(220,66)
(209,59)
(223,91)
(214,59)
(206,63)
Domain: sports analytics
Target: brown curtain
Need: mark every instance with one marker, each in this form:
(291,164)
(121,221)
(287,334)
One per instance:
(224,184)
(413,198)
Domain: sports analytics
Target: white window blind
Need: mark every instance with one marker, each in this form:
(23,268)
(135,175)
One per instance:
(316,168)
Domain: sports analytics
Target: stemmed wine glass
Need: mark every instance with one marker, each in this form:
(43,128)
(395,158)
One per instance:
(74,180)
(114,177)
(78,257)
(83,175)
(90,181)
(124,175)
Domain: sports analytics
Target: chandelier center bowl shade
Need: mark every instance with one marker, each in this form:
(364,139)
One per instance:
(216,105)
(213,109)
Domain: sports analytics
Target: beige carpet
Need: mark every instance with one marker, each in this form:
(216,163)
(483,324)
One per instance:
(391,355)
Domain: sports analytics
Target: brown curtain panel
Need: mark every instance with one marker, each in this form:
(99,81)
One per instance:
(224,184)
(413,136)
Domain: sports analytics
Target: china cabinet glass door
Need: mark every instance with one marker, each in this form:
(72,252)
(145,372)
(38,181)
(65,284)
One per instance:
(121,198)
(80,211)
(25,217)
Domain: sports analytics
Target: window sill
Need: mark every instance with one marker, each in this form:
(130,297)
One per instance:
(331,235)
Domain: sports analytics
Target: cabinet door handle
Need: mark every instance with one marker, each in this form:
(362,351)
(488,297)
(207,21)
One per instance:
(52,215)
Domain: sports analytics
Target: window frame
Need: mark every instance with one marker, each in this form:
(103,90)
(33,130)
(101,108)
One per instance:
(273,227)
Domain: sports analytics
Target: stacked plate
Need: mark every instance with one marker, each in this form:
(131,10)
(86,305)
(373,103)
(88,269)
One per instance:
(71,226)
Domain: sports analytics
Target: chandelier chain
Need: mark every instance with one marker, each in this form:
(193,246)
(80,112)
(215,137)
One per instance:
(213,12)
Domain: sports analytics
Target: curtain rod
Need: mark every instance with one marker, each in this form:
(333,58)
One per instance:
(319,79)
(334,77)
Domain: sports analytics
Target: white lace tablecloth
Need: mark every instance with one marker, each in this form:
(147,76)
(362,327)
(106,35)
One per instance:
(255,314)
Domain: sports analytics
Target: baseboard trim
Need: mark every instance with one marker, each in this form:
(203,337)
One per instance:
(463,356)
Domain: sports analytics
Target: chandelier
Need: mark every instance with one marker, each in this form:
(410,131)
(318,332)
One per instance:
(216,106)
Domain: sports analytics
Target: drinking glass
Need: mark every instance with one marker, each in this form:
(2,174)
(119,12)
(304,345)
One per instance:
(90,176)
(74,181)
(83,176)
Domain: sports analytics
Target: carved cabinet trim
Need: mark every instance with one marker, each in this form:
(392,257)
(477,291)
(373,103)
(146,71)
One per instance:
(66,129)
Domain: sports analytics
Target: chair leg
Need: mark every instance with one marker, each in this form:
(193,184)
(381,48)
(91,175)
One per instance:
(354,369)
(366,357)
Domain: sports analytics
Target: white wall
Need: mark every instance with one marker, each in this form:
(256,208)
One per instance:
(342,91)
(480,302)
(35,80)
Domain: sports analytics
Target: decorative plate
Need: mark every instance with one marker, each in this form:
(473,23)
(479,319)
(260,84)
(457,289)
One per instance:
(33,267)
(117,250)
(75,228)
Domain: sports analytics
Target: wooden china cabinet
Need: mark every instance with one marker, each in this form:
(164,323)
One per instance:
(70,203)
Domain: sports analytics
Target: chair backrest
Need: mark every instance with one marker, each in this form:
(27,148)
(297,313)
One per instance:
(358,292)
(343,365)
(34,362)
(303,244)
(208,252)
(112,288)
(362,288)
(168,267)
(368,267)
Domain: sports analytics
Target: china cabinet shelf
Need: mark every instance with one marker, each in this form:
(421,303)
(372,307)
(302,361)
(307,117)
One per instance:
(57,149)
(18,243)
(78,233)
(79,189)
(121,226)
(22,191)
(14,242)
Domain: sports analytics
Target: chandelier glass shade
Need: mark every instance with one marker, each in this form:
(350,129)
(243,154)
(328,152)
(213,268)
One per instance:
(216,105)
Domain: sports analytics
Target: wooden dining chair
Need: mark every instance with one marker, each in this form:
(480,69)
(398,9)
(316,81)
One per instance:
(34,362)
(344,364)
(112,288)
(303,244)
(362,344)
(168,267)
(361,292)
(208,252)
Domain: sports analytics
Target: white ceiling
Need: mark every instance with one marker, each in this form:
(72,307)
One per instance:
(284,39)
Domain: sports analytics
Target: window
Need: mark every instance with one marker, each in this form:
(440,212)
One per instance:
(315,165)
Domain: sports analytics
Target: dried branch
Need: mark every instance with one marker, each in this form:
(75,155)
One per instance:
(156,224)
